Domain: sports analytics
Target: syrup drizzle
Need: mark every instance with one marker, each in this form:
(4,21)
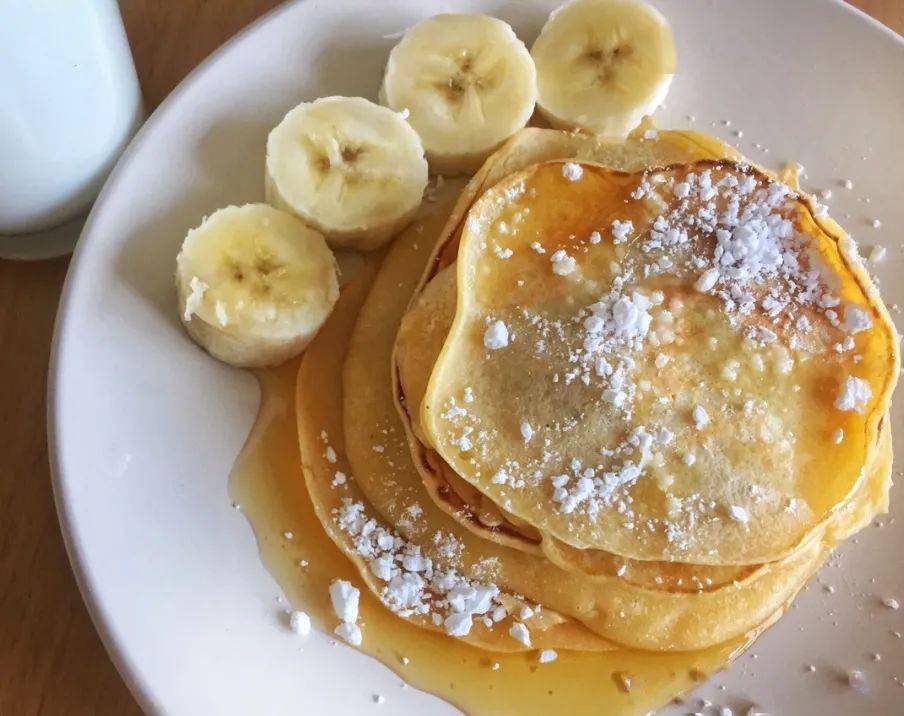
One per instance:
(267,483)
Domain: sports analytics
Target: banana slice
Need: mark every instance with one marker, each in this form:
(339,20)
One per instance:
(350,168)
(468,84)
(255,284)
(603,64)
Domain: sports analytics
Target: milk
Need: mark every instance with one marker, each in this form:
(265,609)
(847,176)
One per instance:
(69,103)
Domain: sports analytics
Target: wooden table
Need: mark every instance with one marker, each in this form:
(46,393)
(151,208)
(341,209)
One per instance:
(51,660)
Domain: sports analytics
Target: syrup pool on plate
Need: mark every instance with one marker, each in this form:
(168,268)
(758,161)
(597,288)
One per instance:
(267,483)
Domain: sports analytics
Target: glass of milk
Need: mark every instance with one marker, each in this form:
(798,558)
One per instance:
(69,104)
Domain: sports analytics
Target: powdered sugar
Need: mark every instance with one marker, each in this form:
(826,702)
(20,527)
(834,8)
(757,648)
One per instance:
(345,598)
(738,514)
(854,394)
(519,632)
(856,319)
(572,171)
(617,320)
(562,263)
(707,280)
(621,230)
(300,623)
(496,336)
(350,633)
(413,584)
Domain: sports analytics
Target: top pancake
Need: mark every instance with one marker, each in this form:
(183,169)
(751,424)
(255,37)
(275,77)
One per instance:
(424,329)
(663,389)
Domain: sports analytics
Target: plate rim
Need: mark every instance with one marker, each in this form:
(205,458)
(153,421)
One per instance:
(121,657)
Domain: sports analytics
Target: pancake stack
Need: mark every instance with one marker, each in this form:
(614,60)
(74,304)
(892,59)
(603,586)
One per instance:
(606,394)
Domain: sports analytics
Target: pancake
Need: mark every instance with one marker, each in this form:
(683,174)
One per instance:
(380,466)
(419,341)
(705,434)
(527,147)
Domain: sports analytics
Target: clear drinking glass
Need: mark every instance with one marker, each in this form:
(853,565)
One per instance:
(69,104)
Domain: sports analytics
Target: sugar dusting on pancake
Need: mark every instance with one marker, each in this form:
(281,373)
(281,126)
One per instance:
(718,256)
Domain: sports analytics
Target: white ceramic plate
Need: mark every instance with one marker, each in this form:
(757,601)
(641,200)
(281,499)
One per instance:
(144,426)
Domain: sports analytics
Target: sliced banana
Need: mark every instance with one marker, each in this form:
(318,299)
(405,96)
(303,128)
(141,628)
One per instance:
(255,284)
(350,168)
(467,82)
(603,64)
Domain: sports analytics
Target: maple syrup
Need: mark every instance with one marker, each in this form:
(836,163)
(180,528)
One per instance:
(267,483)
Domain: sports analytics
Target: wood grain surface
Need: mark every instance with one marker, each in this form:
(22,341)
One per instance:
(51,659)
